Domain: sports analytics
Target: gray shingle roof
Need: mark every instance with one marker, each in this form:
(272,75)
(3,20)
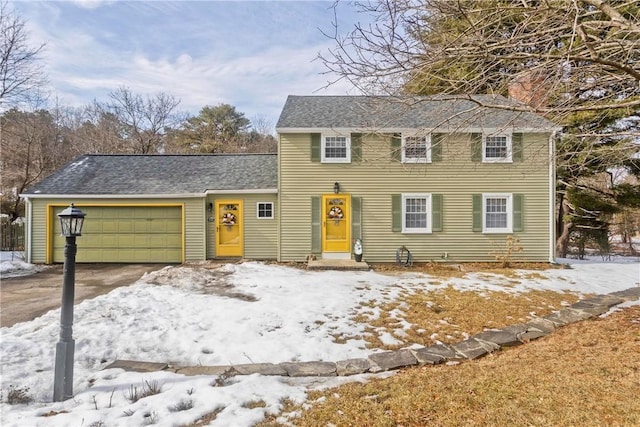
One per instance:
(385,112)
(160,174)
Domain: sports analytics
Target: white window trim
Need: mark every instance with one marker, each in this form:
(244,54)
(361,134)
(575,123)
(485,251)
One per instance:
(323,146)
(508,159)
(406,159)
(258,210)
(426,230)
(509,227)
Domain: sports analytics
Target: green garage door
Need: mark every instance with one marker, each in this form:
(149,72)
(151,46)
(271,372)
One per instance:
(128,234)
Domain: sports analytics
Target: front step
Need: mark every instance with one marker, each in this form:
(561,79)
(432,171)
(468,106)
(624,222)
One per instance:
(336,264)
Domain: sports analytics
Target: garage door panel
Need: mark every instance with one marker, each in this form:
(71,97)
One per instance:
(126,234)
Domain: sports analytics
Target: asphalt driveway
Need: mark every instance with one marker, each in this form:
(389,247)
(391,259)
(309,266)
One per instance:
(27,297)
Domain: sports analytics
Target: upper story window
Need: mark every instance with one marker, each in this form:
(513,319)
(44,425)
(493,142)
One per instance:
(336,149)
(416,149)
(496,148)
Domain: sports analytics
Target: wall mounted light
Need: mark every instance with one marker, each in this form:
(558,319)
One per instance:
(336,187)
(210,207)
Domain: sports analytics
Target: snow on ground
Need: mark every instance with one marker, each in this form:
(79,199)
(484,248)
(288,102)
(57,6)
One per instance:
(12,264)
(235,314)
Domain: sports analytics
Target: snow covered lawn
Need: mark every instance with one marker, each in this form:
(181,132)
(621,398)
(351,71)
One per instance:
(235,314)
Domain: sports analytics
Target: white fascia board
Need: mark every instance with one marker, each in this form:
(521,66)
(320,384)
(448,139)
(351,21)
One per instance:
(444,129)
(248,191)
(113,196)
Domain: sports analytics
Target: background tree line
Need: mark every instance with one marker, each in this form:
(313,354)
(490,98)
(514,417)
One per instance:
(37,138)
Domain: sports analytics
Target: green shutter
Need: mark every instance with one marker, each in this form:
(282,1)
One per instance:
(477,212)
(436,146)
(396,147)
(518,224)
(396,212)
(316,230)
(356,217)
(476,147)
(516,147)
(315,147)
(436,212)
(356,147)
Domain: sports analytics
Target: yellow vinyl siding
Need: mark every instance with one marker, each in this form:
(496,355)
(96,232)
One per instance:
(260,235)
(43,220)
(377,177)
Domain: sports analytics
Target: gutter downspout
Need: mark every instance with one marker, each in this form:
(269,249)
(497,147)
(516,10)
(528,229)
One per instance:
(27,243)
(552,197)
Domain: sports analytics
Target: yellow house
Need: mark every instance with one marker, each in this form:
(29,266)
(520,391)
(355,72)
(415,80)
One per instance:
(442,178)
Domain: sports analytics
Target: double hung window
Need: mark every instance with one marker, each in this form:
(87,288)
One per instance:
(416,149)
(336,149)
(416,213)
(496,148)
(497,213)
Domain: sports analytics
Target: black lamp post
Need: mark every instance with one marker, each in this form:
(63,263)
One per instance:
(71,220)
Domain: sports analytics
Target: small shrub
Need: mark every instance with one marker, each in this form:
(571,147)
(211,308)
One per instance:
(183,405)
(225,378)
(148,388)
(98,423)
(18,395)
(128,412)
(504,254)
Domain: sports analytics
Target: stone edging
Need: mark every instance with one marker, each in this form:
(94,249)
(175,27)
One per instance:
(472,348)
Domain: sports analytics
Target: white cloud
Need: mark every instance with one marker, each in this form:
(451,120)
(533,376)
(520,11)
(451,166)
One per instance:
(202,58)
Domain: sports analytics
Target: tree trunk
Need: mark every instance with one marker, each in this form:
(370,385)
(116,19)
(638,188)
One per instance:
(563,240)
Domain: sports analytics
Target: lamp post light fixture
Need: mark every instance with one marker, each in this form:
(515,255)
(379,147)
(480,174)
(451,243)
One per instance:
(71,221)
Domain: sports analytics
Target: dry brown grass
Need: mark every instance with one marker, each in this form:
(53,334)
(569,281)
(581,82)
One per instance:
(586,374)
(450,315)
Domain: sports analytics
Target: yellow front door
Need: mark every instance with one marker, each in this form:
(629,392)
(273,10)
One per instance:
(229,228)
(336,223)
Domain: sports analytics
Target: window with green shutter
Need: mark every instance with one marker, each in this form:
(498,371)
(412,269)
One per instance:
(497,212)
(316,146)
(419,213)
(437,140)
(356,147)
(316,226)
(396,147)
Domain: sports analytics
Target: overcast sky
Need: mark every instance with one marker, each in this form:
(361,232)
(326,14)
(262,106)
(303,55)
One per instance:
(250,54)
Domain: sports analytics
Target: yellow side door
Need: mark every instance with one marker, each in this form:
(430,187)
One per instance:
(229,227)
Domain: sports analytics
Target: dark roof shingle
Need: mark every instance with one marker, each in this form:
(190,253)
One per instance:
(415,112)
(160,174)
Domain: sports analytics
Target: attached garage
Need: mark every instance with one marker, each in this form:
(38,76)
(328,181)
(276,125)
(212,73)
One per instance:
(157,208)
(125,234)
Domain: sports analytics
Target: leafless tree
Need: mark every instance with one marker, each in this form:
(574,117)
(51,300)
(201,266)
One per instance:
(21,73)
(145,119)
(32,147)
(570,56)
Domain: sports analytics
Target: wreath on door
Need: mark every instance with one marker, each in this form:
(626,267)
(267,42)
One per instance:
(335,213)
(228,219)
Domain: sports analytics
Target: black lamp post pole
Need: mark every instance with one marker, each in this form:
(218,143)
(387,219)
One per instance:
(63,380)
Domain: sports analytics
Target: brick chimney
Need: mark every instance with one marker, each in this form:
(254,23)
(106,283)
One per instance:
(529,88)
